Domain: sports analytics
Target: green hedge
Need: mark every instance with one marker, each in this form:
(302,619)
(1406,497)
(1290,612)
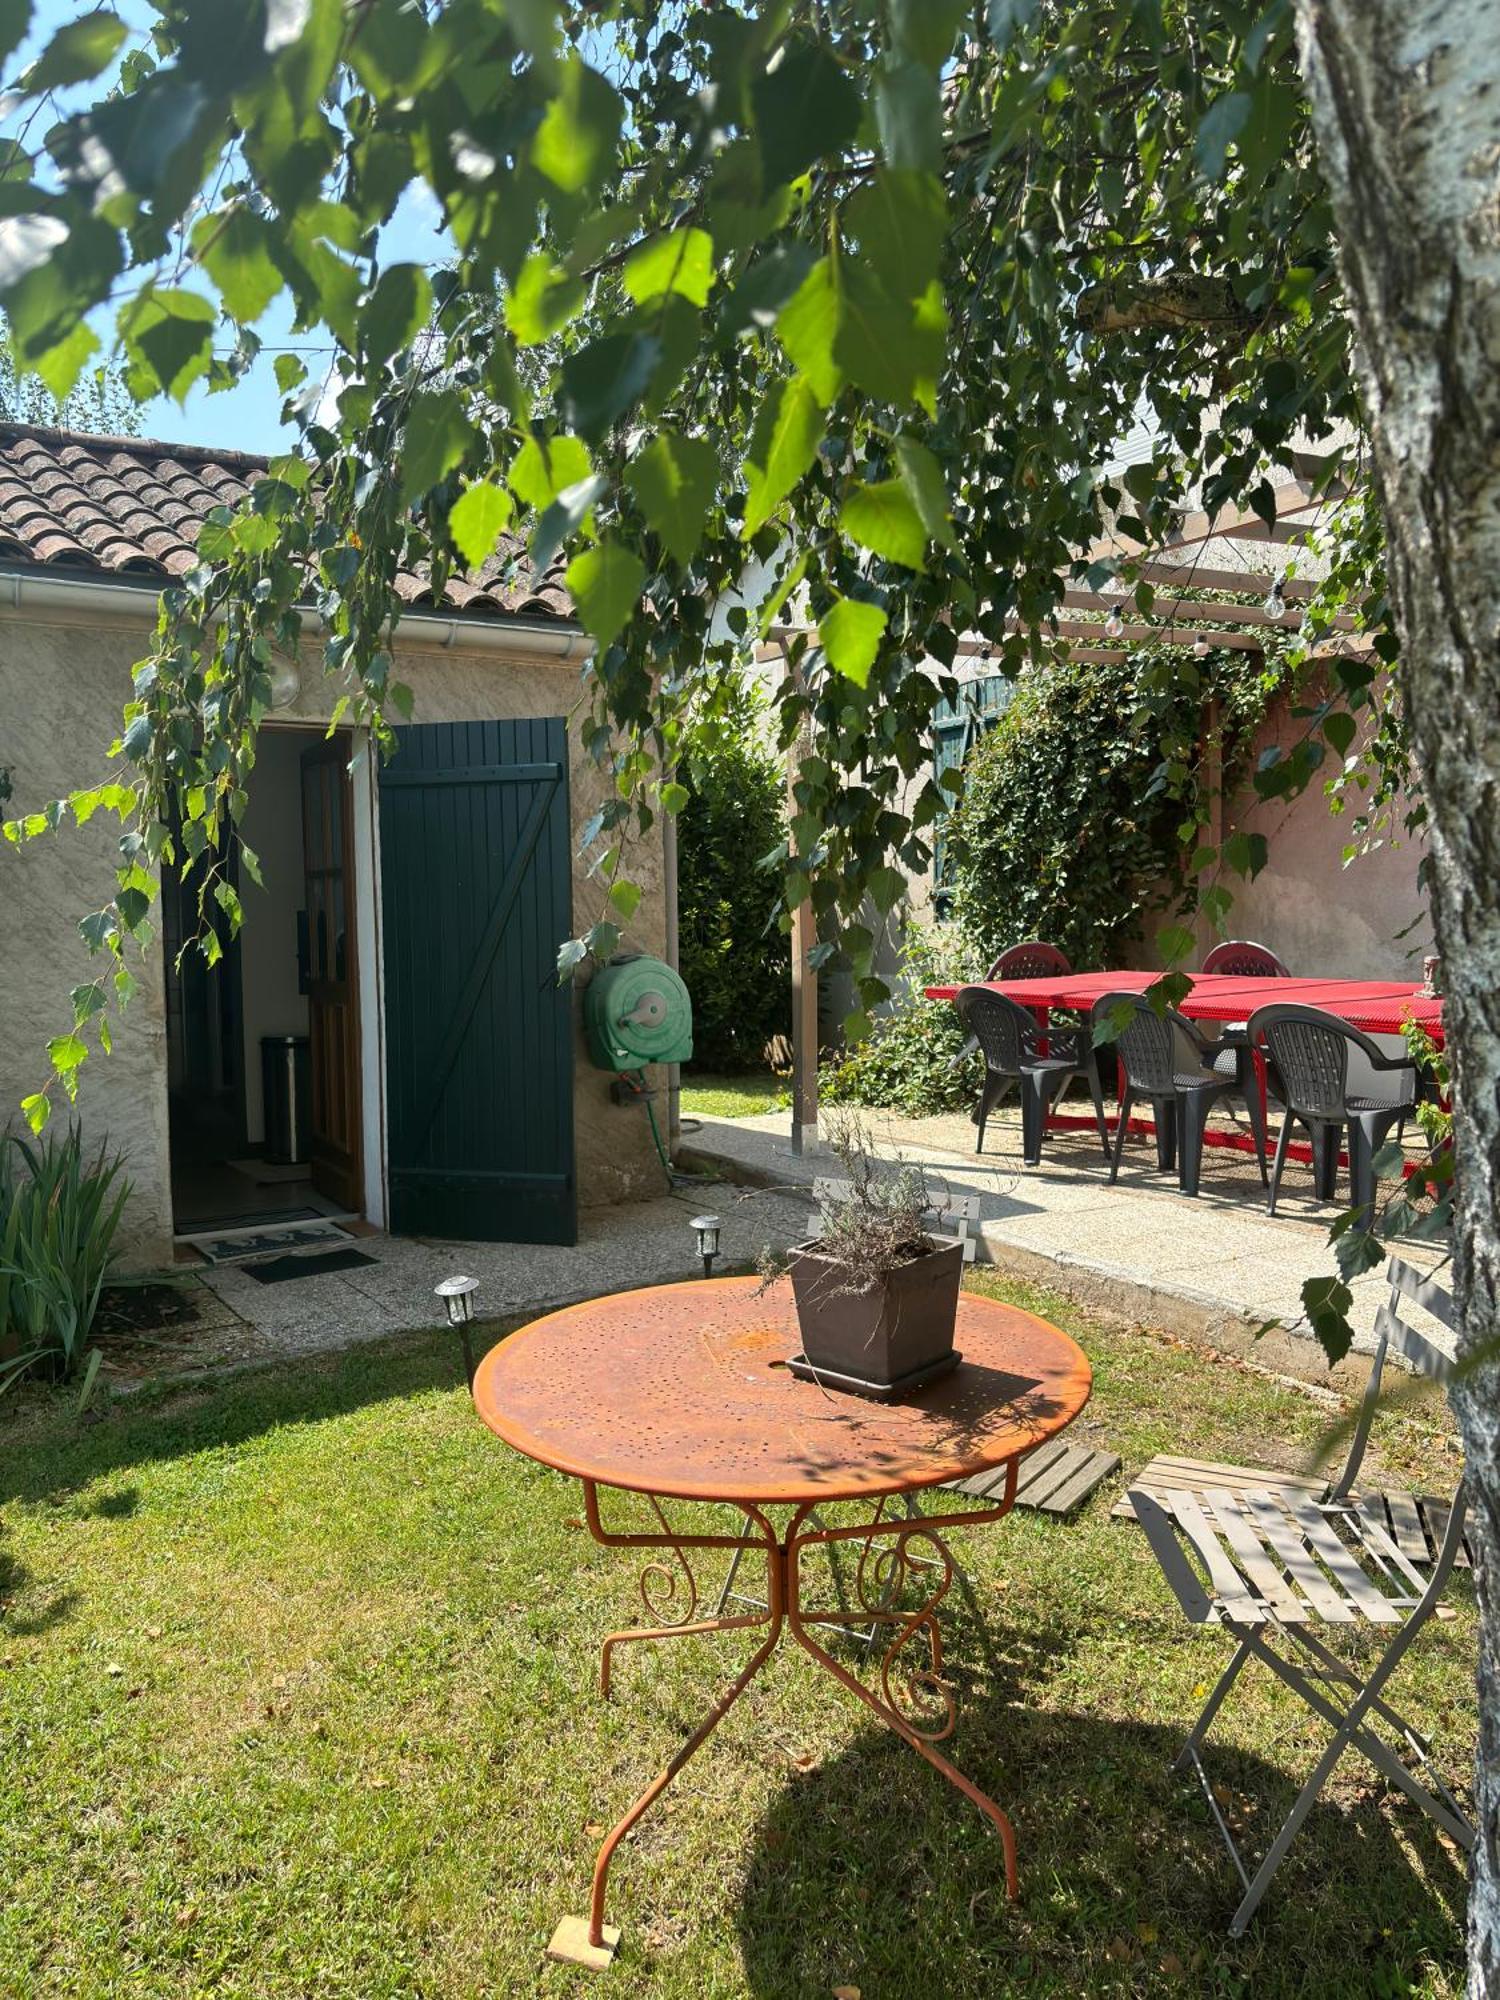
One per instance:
(733,954)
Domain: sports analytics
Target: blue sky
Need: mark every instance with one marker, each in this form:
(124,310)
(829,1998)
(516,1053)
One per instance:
(248,416)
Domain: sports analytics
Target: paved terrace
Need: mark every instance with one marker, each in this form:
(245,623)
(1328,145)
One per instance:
(1214,1268)
(644,1243)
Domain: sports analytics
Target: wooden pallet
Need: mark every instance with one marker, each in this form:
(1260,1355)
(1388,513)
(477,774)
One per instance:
(1414,1522)
(1055,1479)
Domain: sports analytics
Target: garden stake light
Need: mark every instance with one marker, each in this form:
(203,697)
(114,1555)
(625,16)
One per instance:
(457,1295)
(706,1228)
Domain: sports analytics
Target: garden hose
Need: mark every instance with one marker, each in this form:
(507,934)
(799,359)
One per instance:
(661,1151)
(676,1178)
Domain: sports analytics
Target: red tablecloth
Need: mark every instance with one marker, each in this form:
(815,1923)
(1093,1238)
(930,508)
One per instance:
(1379,1006)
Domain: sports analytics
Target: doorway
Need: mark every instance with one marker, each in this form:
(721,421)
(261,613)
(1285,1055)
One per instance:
(263,1051)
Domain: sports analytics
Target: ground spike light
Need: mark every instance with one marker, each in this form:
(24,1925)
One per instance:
(706,1229)
(457,1295)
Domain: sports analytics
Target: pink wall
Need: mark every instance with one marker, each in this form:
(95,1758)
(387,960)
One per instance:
(1318,913)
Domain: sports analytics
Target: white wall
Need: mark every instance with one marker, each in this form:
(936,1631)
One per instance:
(272,826)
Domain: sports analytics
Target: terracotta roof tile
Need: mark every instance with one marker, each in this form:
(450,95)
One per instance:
(133,507)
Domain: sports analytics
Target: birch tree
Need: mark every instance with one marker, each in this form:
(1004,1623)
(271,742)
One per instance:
(1406,105)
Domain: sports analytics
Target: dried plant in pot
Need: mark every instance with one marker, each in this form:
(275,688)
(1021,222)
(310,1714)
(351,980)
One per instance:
(877,1292)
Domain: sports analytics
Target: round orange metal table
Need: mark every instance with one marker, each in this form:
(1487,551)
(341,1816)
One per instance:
(681,1392)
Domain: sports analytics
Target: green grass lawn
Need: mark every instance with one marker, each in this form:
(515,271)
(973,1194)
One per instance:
(297,1698)
(706,1096)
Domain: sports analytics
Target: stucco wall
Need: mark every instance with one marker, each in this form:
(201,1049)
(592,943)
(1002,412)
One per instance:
(1364,920)
(61,692)
(62,686)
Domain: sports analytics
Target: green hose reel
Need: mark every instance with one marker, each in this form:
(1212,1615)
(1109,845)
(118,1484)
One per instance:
(637,1011)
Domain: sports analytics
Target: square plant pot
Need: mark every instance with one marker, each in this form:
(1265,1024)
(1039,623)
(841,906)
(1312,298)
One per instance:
(896,1334)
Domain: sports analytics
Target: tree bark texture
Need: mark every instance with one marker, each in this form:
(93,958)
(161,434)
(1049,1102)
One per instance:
(1406,108)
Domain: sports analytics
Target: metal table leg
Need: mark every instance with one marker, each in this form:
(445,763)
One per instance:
(913,1701)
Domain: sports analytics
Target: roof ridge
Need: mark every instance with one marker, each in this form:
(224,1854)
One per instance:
(201,454)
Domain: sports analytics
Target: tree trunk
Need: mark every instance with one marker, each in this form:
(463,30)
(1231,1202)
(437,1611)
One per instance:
(1406,108)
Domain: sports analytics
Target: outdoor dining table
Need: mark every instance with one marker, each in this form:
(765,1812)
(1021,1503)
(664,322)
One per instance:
(1378,1006)
(681,1393)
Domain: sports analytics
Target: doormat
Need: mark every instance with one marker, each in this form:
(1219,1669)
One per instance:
(266,1173)
(281,1270)
(258,1242)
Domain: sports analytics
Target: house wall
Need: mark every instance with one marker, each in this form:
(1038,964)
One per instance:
(63,683)
(1366,919)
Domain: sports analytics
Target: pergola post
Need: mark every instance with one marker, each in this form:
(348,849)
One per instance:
(804,1032)
(1211,779)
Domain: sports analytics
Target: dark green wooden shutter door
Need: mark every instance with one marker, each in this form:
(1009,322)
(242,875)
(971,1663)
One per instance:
(475,871)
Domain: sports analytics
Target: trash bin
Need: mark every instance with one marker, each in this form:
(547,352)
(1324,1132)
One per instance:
(286,1075)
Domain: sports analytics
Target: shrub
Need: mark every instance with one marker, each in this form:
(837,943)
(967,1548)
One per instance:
(733,955)
(58,1219)
(910,1061)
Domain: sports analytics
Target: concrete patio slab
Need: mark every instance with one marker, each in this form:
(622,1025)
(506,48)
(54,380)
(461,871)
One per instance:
(645,1243)
(1217,1267)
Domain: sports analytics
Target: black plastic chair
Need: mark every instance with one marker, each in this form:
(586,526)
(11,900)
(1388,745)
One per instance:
(1032,960)
(1240,958)
(1333,1076)
(1010,1040)
(1166,1060)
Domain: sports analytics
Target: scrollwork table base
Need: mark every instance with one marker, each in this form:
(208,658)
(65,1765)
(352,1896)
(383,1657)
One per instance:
(681,1393)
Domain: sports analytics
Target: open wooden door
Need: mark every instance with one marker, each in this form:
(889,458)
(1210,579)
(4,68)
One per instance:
(333,983)
(475,879)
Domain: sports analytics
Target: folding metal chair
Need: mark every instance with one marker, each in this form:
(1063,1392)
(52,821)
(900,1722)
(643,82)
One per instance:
(1268,1563)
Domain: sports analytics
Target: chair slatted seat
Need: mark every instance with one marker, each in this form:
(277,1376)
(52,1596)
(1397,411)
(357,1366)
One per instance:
(1270,1561)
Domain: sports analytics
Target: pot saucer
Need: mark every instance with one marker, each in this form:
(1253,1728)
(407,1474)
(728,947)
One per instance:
(878,1392)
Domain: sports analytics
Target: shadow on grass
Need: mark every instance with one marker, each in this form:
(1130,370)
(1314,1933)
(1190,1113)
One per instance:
(45,1453)
(28,1623)
(871,1872)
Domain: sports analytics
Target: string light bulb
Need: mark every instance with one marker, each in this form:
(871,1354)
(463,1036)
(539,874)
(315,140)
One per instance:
(1276,598)
(1114,625)
(1200,647)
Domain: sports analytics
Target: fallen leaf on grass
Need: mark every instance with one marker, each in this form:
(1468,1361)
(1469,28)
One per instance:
(846,1993)
(1146,1933)
(594,1830)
